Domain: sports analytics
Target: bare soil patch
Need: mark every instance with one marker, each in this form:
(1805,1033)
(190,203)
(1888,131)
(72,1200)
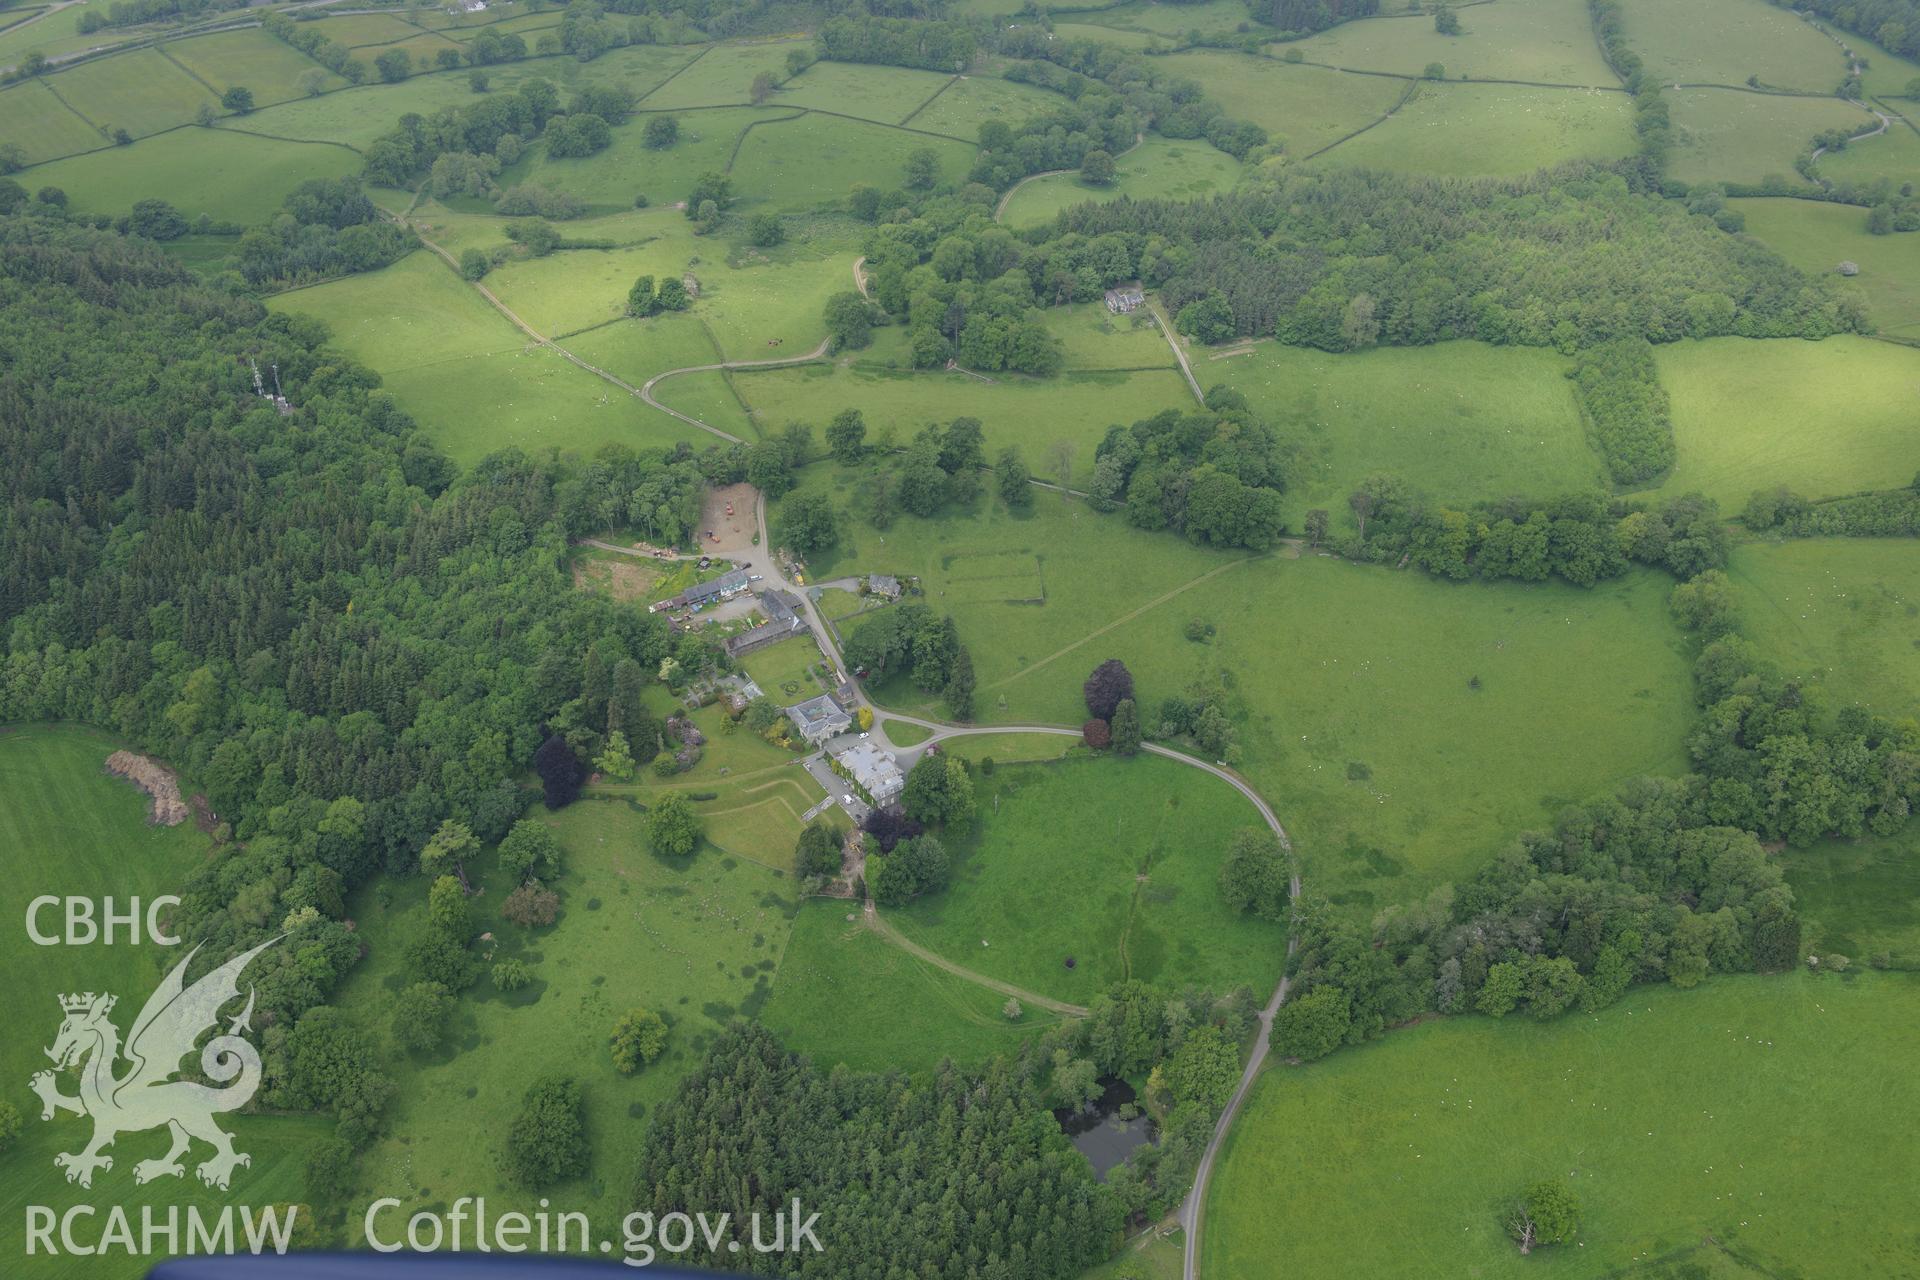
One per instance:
(162,787)
(735,532)
(626,580)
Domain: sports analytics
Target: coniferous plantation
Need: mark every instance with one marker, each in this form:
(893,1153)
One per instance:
(1216,639)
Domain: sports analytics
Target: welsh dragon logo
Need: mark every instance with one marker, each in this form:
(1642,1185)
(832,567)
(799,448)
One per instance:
(146,1096)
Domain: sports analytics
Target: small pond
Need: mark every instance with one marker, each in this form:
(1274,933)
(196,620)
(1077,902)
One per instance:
(1100,1134)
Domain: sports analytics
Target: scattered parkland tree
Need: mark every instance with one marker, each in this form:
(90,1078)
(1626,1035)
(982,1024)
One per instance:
(1254,875)
(448,849)
(238,99)
(1013,479)
(808,523)
(1446,21)
(849,319)
(1546,1213)
(672,829)
(847,436)
(530,849)
(1106,687)
(661,132)
(511,974)
(560,772)
(638,1038)
(531,906)
(1097,733)
(547,1141)
(420,1016)
(762,87)
(1097,169)
(1126,727)
(923,170)
(641,299)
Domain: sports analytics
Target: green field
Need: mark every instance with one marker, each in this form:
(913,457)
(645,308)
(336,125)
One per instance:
(1816,237)
(251,58)
(1728,135)
(1165,19)
(1493,130)
(141,92)
(1461,421)
(784,670)
(67,828)
(1860,897)
(695,943)
(229,175)
(1578,689)
(816,160)
(1550,41)
(610,180)
(1111,863)
(361,114)
(52,34)
(1185,170)
(846,994)
(34,119)
(1035,414)
(472,381)
(1893,155)
(971,101)
(1823,418)
(722,76)
(1726,41)
(1750,1125)
(1305,108)
(886,95)
(1842,613)
(710,398)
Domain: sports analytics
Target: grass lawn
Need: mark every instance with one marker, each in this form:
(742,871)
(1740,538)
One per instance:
(886,95)
(1159,167)
(141,92)
(1032,413)
(1842,613)
(1109,862)
(1462,421)
(1095,338)
(835,604)
(815,160)
(1492,130)
(696,943)
(784,670)
(1822,418)
(66,828)
(1307,108)
(1726,41)
(846,994)
(971,101)
(1816,236)
(251,58)
(1765,1115)
(1542,40)
(722,76)
(710,398)
(35,120)
(903,734)
(233,176)
(1727,135)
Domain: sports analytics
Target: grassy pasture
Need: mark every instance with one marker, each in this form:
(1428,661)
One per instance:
(415,312)
(1105,35)
(1815,237)
(637,349)
(708,397)
(141,92)
(1305,107)
(233,176)
(1763,1114)
(721,76)
(971,101)
(1462,421)
(1031,413)
(886,95)
(51,34)
(1169,19)
(361,114)
(1860,897)
(1175,169)
(1893,155)
(1844,613)
(1726,41)
(815,160)
(1823,418)
(1112,863)
(251,58)
(1728,135)
(1489,130)
(35,120)
(1543,40)
(846,994)
(695,943)
(375,32)
(66,828)
(609,180)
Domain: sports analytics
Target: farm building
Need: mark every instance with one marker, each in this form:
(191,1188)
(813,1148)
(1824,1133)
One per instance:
(819,718)
(1125,300)
(875,770)
(724,587)
(783,620)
